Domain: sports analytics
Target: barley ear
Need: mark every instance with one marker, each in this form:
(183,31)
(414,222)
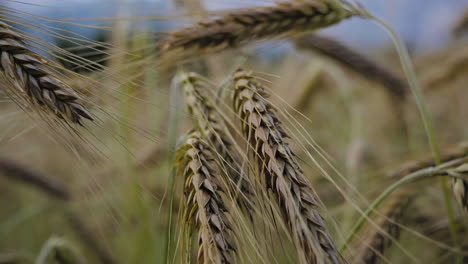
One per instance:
(211,124)
(460,185)
(206,209)
(378,239)
(29,78)
(281,171)
(244,26)
(394,84)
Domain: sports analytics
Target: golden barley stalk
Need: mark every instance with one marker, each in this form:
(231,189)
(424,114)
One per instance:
(211,124)
(283,175)
(243,26)
(395,85)
(30,78)
(377,241)
(203,189)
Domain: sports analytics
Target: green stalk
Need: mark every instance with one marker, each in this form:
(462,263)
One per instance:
(428,127)
(417,175)
(172,141)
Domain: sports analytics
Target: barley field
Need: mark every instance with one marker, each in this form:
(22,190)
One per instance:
(219,132)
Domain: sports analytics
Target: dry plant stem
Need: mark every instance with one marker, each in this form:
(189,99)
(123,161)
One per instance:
(34,79)
(375,243)
(356,62)
(414,176)
(18,172)
(252,24)
(211,124)
(282,172)
(203,190)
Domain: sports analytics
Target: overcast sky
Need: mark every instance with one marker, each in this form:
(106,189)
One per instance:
(423,23)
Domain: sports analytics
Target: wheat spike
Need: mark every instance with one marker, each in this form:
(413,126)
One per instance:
(376,241)
(282,173)
(198,165)
(460,184)
(395,85)
(33,79)
(211,124)
(243,26)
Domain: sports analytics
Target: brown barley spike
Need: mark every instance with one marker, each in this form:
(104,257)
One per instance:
(203,188)
(211,124)
(252,24)
(282,172)
(376,242)
(32,79)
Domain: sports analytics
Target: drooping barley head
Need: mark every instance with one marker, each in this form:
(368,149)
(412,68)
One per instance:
(281,171)
(28,78)
(206,209)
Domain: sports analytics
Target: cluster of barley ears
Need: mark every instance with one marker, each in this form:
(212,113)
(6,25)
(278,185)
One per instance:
(237,154)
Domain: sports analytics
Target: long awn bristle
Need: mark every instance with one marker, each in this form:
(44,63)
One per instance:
(395,85)
(203,189)
(282,173)
(243,26)
(33,80)
(211,124)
